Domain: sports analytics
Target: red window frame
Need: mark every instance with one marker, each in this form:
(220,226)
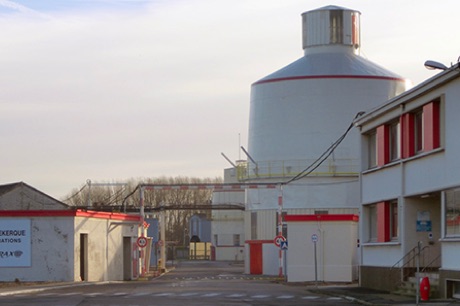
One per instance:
(420,130)
(387,221)
(431,126)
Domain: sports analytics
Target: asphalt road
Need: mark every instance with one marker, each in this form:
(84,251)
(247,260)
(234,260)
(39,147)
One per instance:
(198,283)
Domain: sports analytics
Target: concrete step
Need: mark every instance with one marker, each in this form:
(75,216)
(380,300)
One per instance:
(409,287)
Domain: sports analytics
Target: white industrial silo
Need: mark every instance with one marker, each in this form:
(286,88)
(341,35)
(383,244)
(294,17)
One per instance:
(296,114)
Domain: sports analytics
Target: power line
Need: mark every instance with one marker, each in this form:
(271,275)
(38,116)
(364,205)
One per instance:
(313,166)
(75,194)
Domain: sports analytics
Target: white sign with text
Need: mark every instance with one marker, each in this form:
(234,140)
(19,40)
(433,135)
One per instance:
(15,245)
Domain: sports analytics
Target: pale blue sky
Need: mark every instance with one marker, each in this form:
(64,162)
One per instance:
(111,90)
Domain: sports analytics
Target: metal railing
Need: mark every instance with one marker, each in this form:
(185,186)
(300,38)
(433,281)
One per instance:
(290,168)
(407,265)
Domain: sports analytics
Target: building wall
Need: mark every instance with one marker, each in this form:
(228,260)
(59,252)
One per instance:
(270,259)
(225,224)
(380,278)
(450,252)
(105,247)
(310,192)
(331,264)
(52,255)
(55,246)
(235,253)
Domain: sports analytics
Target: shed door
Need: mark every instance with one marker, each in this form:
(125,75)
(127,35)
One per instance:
(127,260)
(255,253)
(84,257)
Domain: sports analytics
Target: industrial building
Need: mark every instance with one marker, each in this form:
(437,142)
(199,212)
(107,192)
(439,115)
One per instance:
(410,191)
(227,226)
(298,117)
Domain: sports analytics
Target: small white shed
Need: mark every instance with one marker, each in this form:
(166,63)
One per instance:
(335,240)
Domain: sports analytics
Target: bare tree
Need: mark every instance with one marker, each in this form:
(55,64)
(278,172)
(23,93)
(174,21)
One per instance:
(127,195)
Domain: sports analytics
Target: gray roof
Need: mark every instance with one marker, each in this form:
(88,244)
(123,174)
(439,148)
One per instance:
(330,64)
(25,201)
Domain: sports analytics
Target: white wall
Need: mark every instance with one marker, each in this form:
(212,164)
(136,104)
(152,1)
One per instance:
(225,224)
(381,185)
(270,264)
(450,255)
(311,192)
(230,253)
(51,253)
(336,251)
(381,255)
(105,247)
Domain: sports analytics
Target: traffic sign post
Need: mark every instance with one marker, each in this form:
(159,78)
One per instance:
(314,239)
(284,247)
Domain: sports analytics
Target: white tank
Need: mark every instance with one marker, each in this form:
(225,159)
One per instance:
(297,112)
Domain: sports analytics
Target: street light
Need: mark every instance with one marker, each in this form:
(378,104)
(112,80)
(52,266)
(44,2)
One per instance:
(432,65)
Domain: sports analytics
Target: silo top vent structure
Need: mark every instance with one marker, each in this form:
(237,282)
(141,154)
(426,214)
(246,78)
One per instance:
(331,26)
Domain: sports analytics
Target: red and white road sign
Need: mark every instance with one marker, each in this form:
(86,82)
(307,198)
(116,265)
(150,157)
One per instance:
(142,242)
(278,240)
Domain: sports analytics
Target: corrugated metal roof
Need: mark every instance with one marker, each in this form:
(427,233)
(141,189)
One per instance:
(331,8)
(9,187)
(330,64)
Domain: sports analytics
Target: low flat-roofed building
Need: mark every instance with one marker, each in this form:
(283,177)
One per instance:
(43,239)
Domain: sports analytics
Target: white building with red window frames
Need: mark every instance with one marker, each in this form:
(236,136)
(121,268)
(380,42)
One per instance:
(410,186)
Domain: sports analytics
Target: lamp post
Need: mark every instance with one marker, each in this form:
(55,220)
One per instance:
(432,65)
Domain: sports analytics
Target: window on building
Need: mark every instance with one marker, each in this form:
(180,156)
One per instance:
(382,138)
(421,129)
(452,217)
(394,140)
(236,240)
(372,149)
(216,241)
(372,210)
(414,132)
(431,126)
(253,225)
(383,221)
(418,131)
(394,225)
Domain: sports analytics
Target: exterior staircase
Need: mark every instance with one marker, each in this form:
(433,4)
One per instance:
(406,273)
(409,286)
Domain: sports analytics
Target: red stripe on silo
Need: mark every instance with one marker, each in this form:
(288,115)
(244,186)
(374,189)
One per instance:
(306,77)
